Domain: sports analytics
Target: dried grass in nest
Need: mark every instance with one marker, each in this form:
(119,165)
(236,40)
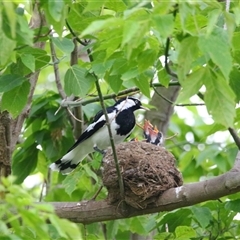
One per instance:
(147,170)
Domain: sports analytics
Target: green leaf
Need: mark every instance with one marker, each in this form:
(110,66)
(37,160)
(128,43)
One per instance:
(235,82)
(77,81)
(235,41)
(191,84)
(202,215)
(15,100)
(143,84)
(9,8)
(164,236)
(115,82)
(71,229)
(188,52)
(233,205)
(164,24)
(212,19)
(219,99)
(55,8)
(185,233)
(176,218)
(130,29)
(10,81)
(210,46)
(146,59)
(101,24)
(6,49)
(29,61)
(41,57)
(163,77)
(71,181)
(25,162)
(132,73)
(65,45)
(90,173)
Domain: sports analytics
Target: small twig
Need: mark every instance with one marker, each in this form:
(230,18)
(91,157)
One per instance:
(84,43)
(235,137)
(133,90)
(168,70)
(190,104)
(120,179)
(57,77)
(171,102)
(56,70)
(101,98)
(42,189)
(73,116)
(171,137)
(96,194)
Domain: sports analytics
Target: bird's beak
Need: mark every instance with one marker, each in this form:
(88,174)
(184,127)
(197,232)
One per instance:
(145,108)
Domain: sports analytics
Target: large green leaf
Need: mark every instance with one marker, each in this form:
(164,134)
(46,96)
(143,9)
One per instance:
(15,100)
(24,162)
(185,232)
(164,24)
(219,99)
(71,181)
(129,31)
(202,215)
(235,82)
(29,61)
(191,84)
(210,46)
(65,45)
(77,81)
(101,24)
(233,205)
(55,8)
(188,52)
(181,217)
(6,49)
(10,81)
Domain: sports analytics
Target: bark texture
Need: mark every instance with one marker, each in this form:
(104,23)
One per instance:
(10,129)
(5,144)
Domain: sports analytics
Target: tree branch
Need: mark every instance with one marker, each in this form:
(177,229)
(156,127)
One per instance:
(37,21)
(189,194)
(132,90)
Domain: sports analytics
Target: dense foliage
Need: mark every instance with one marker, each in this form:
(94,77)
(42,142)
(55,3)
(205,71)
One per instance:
(120,43)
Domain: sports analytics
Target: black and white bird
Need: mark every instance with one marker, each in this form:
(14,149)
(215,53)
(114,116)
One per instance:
(122,121)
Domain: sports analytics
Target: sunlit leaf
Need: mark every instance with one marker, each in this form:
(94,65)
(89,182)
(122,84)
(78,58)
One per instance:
(185,232)
(210,46)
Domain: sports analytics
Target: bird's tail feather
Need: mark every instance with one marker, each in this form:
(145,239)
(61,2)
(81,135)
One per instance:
(69,161)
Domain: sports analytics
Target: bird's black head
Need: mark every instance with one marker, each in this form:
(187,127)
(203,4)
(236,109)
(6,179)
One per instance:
(128,103)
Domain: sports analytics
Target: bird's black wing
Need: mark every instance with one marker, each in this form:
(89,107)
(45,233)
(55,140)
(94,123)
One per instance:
(96,125)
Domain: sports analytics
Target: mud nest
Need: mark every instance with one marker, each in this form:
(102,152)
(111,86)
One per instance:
(147,170)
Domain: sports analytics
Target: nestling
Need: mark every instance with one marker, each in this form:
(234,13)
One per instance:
(122,122)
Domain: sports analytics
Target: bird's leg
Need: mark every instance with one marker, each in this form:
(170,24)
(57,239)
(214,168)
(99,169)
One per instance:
(103,152)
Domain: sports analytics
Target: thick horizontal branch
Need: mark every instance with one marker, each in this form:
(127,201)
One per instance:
(189,194)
